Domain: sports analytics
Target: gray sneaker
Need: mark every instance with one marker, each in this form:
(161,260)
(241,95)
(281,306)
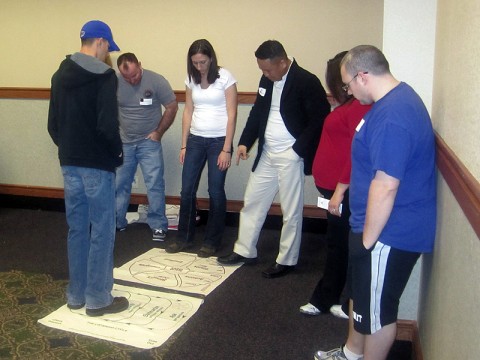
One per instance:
(335,354)
(159,235)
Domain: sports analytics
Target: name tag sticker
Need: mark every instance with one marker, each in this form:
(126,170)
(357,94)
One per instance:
(146,101)
(359,126)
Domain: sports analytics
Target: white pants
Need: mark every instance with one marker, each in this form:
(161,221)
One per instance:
(275,172)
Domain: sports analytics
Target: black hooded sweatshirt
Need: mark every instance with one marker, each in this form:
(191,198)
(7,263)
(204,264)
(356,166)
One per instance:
(83,114)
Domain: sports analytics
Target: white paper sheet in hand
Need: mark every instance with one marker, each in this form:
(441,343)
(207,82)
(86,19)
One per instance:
(323,203)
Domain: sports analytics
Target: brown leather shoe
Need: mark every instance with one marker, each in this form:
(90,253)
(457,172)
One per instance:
(206,251)
(177,246)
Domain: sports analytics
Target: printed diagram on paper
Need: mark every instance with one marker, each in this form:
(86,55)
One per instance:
(153,315)
(181,272)
(150,320)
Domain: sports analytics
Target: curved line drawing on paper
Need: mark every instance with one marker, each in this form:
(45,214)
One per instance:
(182,272)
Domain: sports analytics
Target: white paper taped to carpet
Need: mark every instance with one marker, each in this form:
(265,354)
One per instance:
(182,272)
(149,321)
(153,315)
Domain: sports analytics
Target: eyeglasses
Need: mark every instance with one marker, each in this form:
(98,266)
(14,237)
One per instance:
(347,85)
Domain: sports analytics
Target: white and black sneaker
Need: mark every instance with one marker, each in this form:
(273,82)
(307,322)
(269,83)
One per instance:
(159,235)
(335,354)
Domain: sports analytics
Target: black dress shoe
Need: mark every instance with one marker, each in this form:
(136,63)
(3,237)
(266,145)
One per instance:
(75,307)
(277,270)
(234,259)
(118,304)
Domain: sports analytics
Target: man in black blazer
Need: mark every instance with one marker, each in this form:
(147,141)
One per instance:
(287,120)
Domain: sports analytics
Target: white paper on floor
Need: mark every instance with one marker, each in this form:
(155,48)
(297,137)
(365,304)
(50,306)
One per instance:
(149,321)
(153,316)
(182,272)
(138,217)
(171,211)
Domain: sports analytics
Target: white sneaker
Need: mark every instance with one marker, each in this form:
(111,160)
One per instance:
(335,354)
(309,309)
(337,311)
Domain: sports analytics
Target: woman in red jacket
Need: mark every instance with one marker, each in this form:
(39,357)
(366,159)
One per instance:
(331,172)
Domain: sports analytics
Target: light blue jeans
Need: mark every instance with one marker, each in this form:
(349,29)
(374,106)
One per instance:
(90,211)
(149,155)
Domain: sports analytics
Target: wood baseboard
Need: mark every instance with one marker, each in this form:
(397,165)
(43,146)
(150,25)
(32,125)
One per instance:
(309,211)
(407,330)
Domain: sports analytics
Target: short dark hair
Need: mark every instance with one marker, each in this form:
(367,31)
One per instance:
(365,58)
(202,46)
(333,78)
(270,49)
(127,57)
(87,42)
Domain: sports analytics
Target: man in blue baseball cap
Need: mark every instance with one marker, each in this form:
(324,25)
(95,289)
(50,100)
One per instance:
(97,29)
(83,123)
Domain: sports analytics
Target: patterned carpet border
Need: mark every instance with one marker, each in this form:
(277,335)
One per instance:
(24,299)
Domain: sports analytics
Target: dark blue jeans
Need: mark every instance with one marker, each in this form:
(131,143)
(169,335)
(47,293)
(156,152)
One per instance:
(201,150)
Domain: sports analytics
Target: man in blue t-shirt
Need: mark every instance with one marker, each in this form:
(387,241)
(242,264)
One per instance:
(392,201)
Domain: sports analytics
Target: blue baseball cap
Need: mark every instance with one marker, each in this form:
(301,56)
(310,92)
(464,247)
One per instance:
(98,29)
